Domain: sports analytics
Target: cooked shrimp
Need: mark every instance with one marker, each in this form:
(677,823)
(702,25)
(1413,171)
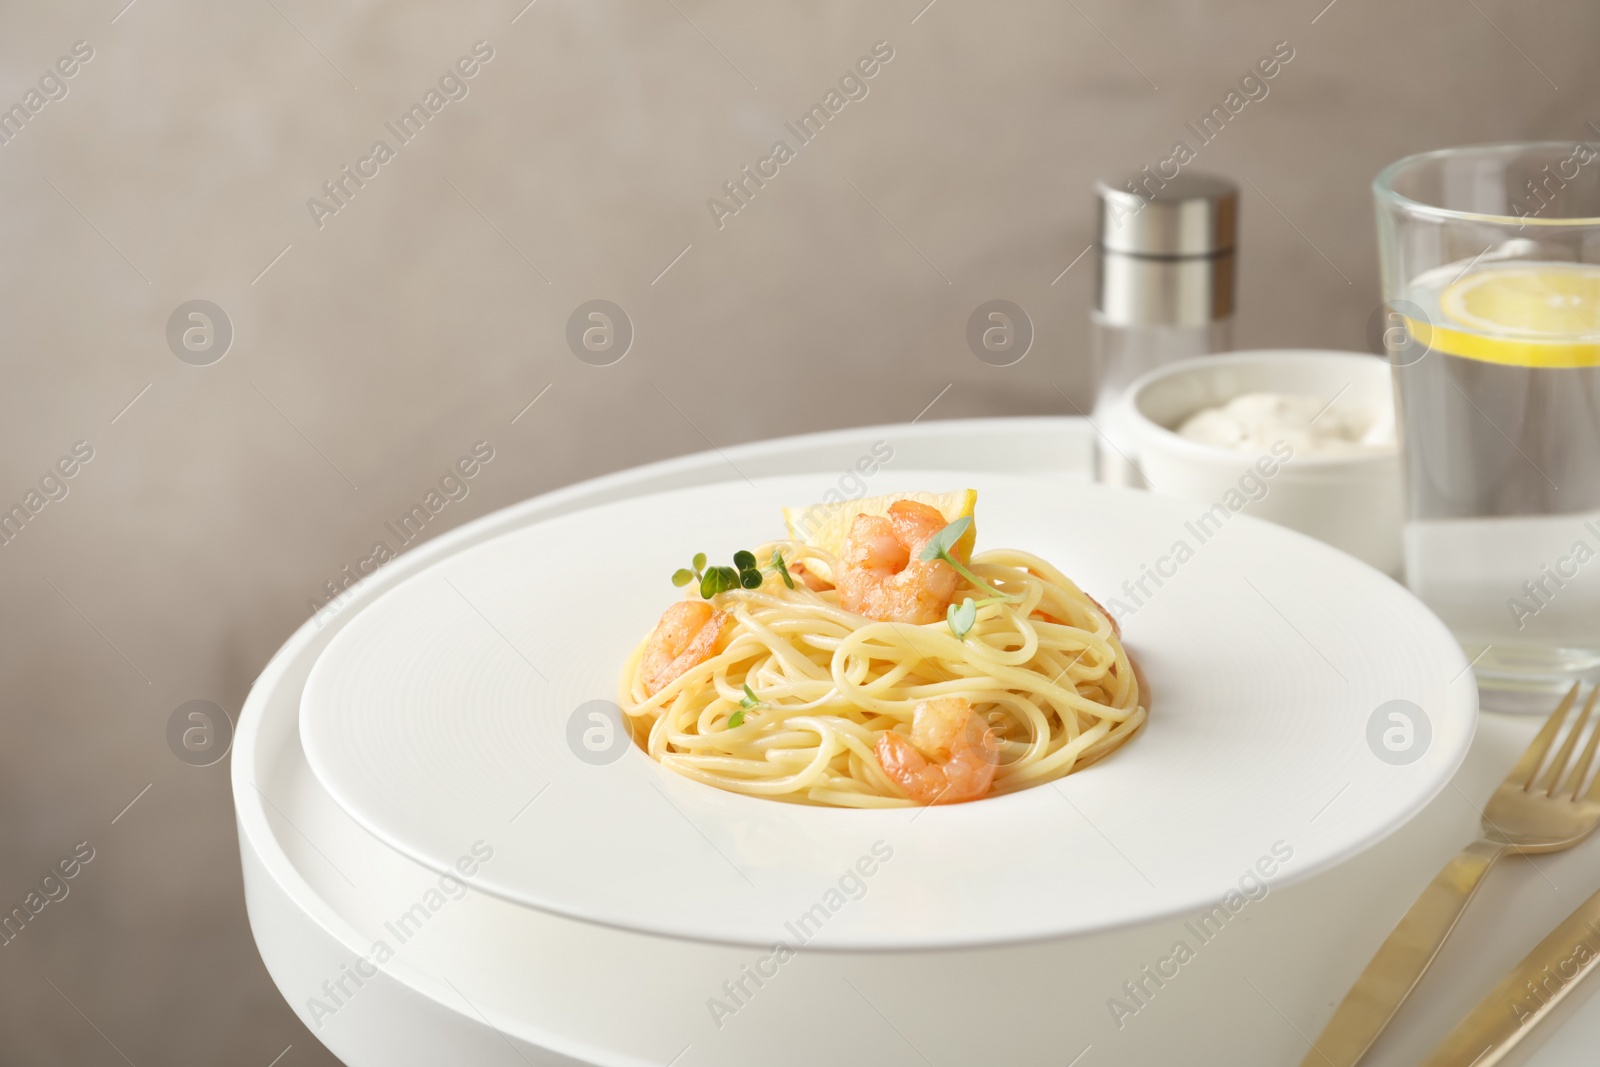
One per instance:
(882,578)
(950,758)
(686,637)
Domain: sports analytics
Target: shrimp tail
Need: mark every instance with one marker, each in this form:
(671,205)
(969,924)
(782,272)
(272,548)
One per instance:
(921,780)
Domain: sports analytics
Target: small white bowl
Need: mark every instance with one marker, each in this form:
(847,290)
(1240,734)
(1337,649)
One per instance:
(1352,502)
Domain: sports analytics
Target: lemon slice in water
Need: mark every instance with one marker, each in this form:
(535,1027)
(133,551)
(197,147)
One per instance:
(1527,314)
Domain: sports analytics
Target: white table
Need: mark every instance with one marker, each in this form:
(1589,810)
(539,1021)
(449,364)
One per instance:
(486,982)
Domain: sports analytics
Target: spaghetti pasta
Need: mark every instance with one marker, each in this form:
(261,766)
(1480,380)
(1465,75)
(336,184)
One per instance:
(792,703)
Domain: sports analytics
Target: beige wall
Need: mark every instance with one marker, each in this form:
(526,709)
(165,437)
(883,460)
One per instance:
(407,328)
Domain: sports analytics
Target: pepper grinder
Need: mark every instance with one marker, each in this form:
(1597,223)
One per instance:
(1164,285)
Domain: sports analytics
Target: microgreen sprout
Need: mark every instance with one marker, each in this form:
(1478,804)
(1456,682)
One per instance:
(684,575)
(749,574)
(939,545)
(718,580)
(746,703)
(962,618)
(744,574)
(712,580)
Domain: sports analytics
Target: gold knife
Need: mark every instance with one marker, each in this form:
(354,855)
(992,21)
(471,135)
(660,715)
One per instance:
(1527,995)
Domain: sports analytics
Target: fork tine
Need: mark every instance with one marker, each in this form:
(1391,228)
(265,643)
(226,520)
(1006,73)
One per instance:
(1528,766)
(1588,755)
(1552,775)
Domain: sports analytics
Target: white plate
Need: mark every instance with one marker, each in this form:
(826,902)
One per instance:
(440,717)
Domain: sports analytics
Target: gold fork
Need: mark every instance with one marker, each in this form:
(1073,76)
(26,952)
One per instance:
(1527,814)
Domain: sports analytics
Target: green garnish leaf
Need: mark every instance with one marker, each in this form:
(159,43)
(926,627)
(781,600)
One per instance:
(782,569)
(750,579)
(962,618)
(699,561)
(718,580)
(682,576)
(939,545)
(744,560)
(746,702)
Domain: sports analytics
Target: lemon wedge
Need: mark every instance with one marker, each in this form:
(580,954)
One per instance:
(826,526)
(1528,314)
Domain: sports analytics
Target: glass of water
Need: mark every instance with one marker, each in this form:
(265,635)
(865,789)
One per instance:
(1491,279)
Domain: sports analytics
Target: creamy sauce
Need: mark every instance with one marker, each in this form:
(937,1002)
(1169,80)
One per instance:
(1312,427)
